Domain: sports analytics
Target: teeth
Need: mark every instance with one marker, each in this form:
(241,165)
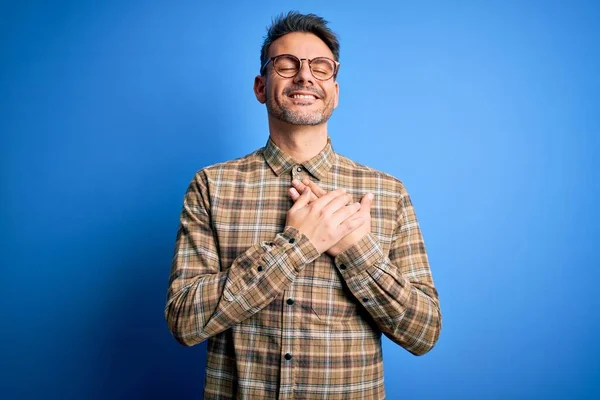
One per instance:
(303,96)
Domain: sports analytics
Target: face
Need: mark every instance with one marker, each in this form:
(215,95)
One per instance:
(303,99)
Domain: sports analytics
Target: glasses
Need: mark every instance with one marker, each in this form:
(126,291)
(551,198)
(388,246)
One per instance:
(288,66)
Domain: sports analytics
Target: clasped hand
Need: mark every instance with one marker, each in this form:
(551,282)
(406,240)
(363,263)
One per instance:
(329,220)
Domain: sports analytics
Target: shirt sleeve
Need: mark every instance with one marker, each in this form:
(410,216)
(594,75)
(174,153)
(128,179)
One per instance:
(203,299)
(397,290)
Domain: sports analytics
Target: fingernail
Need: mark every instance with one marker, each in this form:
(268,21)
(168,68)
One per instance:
(295,181)
(370,196)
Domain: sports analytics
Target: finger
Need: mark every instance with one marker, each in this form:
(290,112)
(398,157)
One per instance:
(346,212)
(294,194)
(302,201)
(323,201)
(336,204)
(350,225)
(367,201)
(299,186)
(314,187)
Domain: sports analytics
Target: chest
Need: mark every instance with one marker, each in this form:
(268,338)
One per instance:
(253,209)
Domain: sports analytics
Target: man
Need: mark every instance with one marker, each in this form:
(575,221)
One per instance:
(289,278)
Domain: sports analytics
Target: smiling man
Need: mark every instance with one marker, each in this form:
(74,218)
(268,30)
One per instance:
(294,260)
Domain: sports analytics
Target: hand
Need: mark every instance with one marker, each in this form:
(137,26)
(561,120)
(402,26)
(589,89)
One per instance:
(326,220)
(352,237)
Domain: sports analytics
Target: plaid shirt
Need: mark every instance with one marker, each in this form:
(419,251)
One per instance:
(283,321)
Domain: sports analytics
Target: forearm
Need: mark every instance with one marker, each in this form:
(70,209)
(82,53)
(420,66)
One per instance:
(204,305)
(405,307)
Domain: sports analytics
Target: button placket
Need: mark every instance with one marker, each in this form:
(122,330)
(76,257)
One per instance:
(288,344)
(297,172)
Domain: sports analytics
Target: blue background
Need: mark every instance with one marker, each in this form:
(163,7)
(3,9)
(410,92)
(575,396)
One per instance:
(488,111)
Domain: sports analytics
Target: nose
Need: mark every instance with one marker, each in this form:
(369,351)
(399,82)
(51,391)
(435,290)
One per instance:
(304,75)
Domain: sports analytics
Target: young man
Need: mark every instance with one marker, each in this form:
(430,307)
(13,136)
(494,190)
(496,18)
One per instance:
(290,279)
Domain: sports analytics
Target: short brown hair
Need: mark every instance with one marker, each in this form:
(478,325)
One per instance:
(293,21)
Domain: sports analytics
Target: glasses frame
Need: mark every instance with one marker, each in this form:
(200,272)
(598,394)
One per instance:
(272,59)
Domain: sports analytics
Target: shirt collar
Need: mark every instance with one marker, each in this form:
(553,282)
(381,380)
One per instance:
(280,162)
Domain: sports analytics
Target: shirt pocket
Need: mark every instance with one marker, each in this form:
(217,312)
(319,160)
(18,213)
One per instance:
(331,300)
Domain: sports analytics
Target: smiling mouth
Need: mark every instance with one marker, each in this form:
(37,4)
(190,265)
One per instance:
(303,96)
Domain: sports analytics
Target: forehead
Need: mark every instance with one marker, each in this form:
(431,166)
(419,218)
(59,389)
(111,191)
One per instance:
(300,44)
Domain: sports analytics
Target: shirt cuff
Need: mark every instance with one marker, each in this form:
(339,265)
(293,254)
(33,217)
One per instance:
(297,249)
(360,256)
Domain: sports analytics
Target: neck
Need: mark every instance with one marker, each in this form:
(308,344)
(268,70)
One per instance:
(301,142)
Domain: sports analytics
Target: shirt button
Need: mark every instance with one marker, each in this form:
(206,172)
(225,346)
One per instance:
(299,169)
(292,240)
(288,356)
(260,268)
(365,299)
(343,266)
(290,301)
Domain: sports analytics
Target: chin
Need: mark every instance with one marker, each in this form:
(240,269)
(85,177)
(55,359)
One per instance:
(307,120)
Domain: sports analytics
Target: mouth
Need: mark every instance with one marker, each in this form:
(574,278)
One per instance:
(303,95)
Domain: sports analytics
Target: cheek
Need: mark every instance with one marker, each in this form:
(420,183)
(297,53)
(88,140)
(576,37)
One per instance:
(335,96)
(331,96)
(276,93)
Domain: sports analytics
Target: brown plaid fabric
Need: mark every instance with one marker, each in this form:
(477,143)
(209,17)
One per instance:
(283,321)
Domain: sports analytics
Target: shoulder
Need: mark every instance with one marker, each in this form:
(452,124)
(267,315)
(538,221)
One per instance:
(247,163)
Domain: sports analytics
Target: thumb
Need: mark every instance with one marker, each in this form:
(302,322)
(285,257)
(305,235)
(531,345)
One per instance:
(367,201)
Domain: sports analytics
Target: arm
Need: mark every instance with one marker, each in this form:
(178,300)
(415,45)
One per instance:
(397,291)
(202,300)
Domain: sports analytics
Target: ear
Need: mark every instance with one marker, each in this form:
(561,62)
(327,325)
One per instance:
(260,88)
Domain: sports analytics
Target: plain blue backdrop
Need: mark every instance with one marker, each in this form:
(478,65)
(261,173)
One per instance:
(488,111)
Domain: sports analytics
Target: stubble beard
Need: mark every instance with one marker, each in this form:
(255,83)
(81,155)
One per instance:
(282,113)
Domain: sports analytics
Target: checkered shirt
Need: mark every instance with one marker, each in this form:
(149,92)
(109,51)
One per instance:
(283,321)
